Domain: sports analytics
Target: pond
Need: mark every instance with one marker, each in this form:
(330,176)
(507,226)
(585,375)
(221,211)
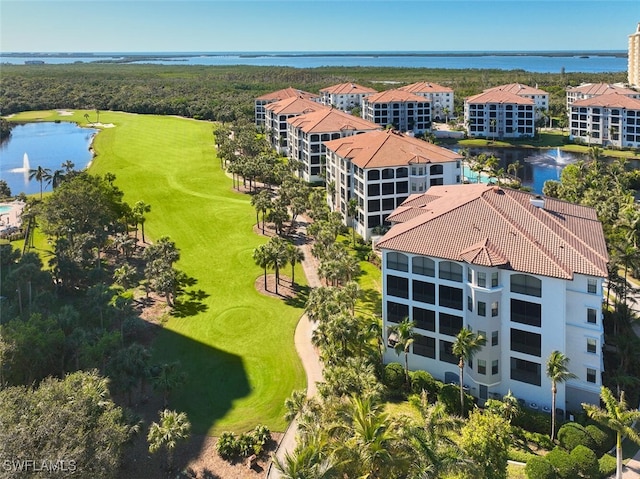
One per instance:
(45,144)
(537,165)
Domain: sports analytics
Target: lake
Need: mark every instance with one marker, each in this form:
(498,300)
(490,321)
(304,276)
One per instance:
(539,62)
(45,144)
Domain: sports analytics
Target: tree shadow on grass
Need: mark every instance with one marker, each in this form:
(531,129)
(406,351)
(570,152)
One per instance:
(301,297)
(189,303)
(371,300)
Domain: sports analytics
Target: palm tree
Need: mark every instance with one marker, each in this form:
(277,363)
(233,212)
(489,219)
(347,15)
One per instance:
(261,202)
(41,175)
(465,347)
(352,211)
(139,210)
(557,372)
(173,427)
(294,255)
(404,339)
(617,417)
(168,376)
(261,257)
(277,256)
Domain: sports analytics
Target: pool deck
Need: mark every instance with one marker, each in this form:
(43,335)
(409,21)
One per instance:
(12,217)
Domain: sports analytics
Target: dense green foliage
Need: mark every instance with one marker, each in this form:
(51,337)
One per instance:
(572,435)
(539,468)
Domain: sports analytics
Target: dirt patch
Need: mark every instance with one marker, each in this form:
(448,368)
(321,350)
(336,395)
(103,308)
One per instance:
(285,289)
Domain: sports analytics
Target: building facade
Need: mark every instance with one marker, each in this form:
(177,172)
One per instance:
(525,272)
(403,110)
(606,120)
(307,134)
(277,114)
(540,97)
(345,96)
(441,98)
(633,72)
(500,114)
(380,170)
(590,90)
(262,101)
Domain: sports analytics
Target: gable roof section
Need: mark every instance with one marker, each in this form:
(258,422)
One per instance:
(612,100)
(379,149)
(499,96)
(330,119)
(492,226)
(601,89)
(294,105)
(518,89)
(286,93)
(395,95)
(347,89)
(425,87)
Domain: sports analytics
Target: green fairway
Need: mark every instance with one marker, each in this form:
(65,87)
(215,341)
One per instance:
(235,344)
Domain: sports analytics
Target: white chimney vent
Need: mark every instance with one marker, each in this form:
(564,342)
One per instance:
(537,201)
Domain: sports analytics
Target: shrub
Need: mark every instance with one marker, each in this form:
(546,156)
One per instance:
(541,440)
(260,435)
(519,455)
(563,463)
(227,445)
(572,434)
(603,440)
(586,462)
(607,465)
(533,421)
(394,376)
(539,468)
(245,445)
(449,395)
(422,380)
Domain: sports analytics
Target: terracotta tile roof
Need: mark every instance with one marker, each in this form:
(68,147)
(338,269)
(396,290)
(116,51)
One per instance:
(378,149)
(330,119)
(294,105)
(286,93)
(499,96)
(347,88)
(488,225)
(601,89)
(425,87)
(396,95)
(518,89)
(612,100)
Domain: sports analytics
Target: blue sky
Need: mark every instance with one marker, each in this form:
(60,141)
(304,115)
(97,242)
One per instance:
(315,25)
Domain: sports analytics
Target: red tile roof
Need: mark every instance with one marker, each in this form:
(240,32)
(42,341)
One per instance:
(330,119)
(294,105)
(286,93)
(493,226)
(518,89)
(379,149)
(425,87)
(395,95)
(347,88)
(499,96)
(601,89)
(612,100)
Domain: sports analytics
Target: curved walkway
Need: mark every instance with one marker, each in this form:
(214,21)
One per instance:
(307,352)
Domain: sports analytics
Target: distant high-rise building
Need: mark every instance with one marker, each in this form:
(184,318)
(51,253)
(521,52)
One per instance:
(634,58)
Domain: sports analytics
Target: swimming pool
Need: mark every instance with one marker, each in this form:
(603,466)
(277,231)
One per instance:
(5,209)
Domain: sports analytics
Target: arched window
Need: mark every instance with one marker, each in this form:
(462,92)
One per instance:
(436,169)
(450,270)
(423,266)
(397,261)
(526,284)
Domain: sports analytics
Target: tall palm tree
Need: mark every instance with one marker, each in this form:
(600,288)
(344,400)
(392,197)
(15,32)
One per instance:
(277,254)
(139,210)
(261,202)
(352,211)
(168,377)
(557,372)
(173,427)
(261,258)
(404,339)
(617,417)
(41,175)
(465,347)
(294,255)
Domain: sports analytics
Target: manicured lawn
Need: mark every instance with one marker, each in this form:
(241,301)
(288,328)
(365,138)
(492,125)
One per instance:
(235,344)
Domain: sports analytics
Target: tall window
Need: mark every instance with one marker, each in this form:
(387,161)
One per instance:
(591,375)
(397,261)
(423,266)
(482,308)
(494,309)
(494,338)
(482,279)
(494,279)
(526,284)
(494,367)
(592,285)
(450,270)
(482,366)
(592,345)
(592,316)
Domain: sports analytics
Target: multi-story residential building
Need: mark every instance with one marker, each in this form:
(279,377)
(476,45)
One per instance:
(403,110)
(264,100)
(277,114)
(590,90)
(306,135)
(441,98)
(524,271)
(380,169)
(345,96)
(612,119)
(633,72)
(499,114)
(540,97)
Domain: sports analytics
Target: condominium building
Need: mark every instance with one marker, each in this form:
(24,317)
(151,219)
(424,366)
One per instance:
(277,114)
(441,98)
(525,272)
(306,135)
(606,120)
(345,96)
(540,97)
(634,58)
(380,169)
(264,100)
(499,114)
(403,110)
(590,90)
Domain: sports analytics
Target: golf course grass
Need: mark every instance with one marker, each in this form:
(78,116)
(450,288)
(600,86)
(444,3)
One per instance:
(235,345)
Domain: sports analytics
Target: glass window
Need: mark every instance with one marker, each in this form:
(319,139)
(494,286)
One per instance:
(482,366)
(397,286)
(423,266)
(387,173)
(424,292)
(424,346)
(450,297)
(449,324)
(591,375)
(373,189)
(526,313)
(373,175)
(482,308)
(494,338)
(591,345)
(526,284)
(424,319)
(469,303)
(482,279)
(469,275)
(436,169)
(592,285)
(397,261)
(396,312)
(482,333)
(494,309)
(526,342)
(450,270)
(494,367)
(525,371)
(592,316)
(494,279)
(446,355)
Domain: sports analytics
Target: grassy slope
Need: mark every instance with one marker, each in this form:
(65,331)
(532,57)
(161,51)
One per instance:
(238,352)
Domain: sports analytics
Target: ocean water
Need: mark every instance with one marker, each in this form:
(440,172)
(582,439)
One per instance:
(540,62)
